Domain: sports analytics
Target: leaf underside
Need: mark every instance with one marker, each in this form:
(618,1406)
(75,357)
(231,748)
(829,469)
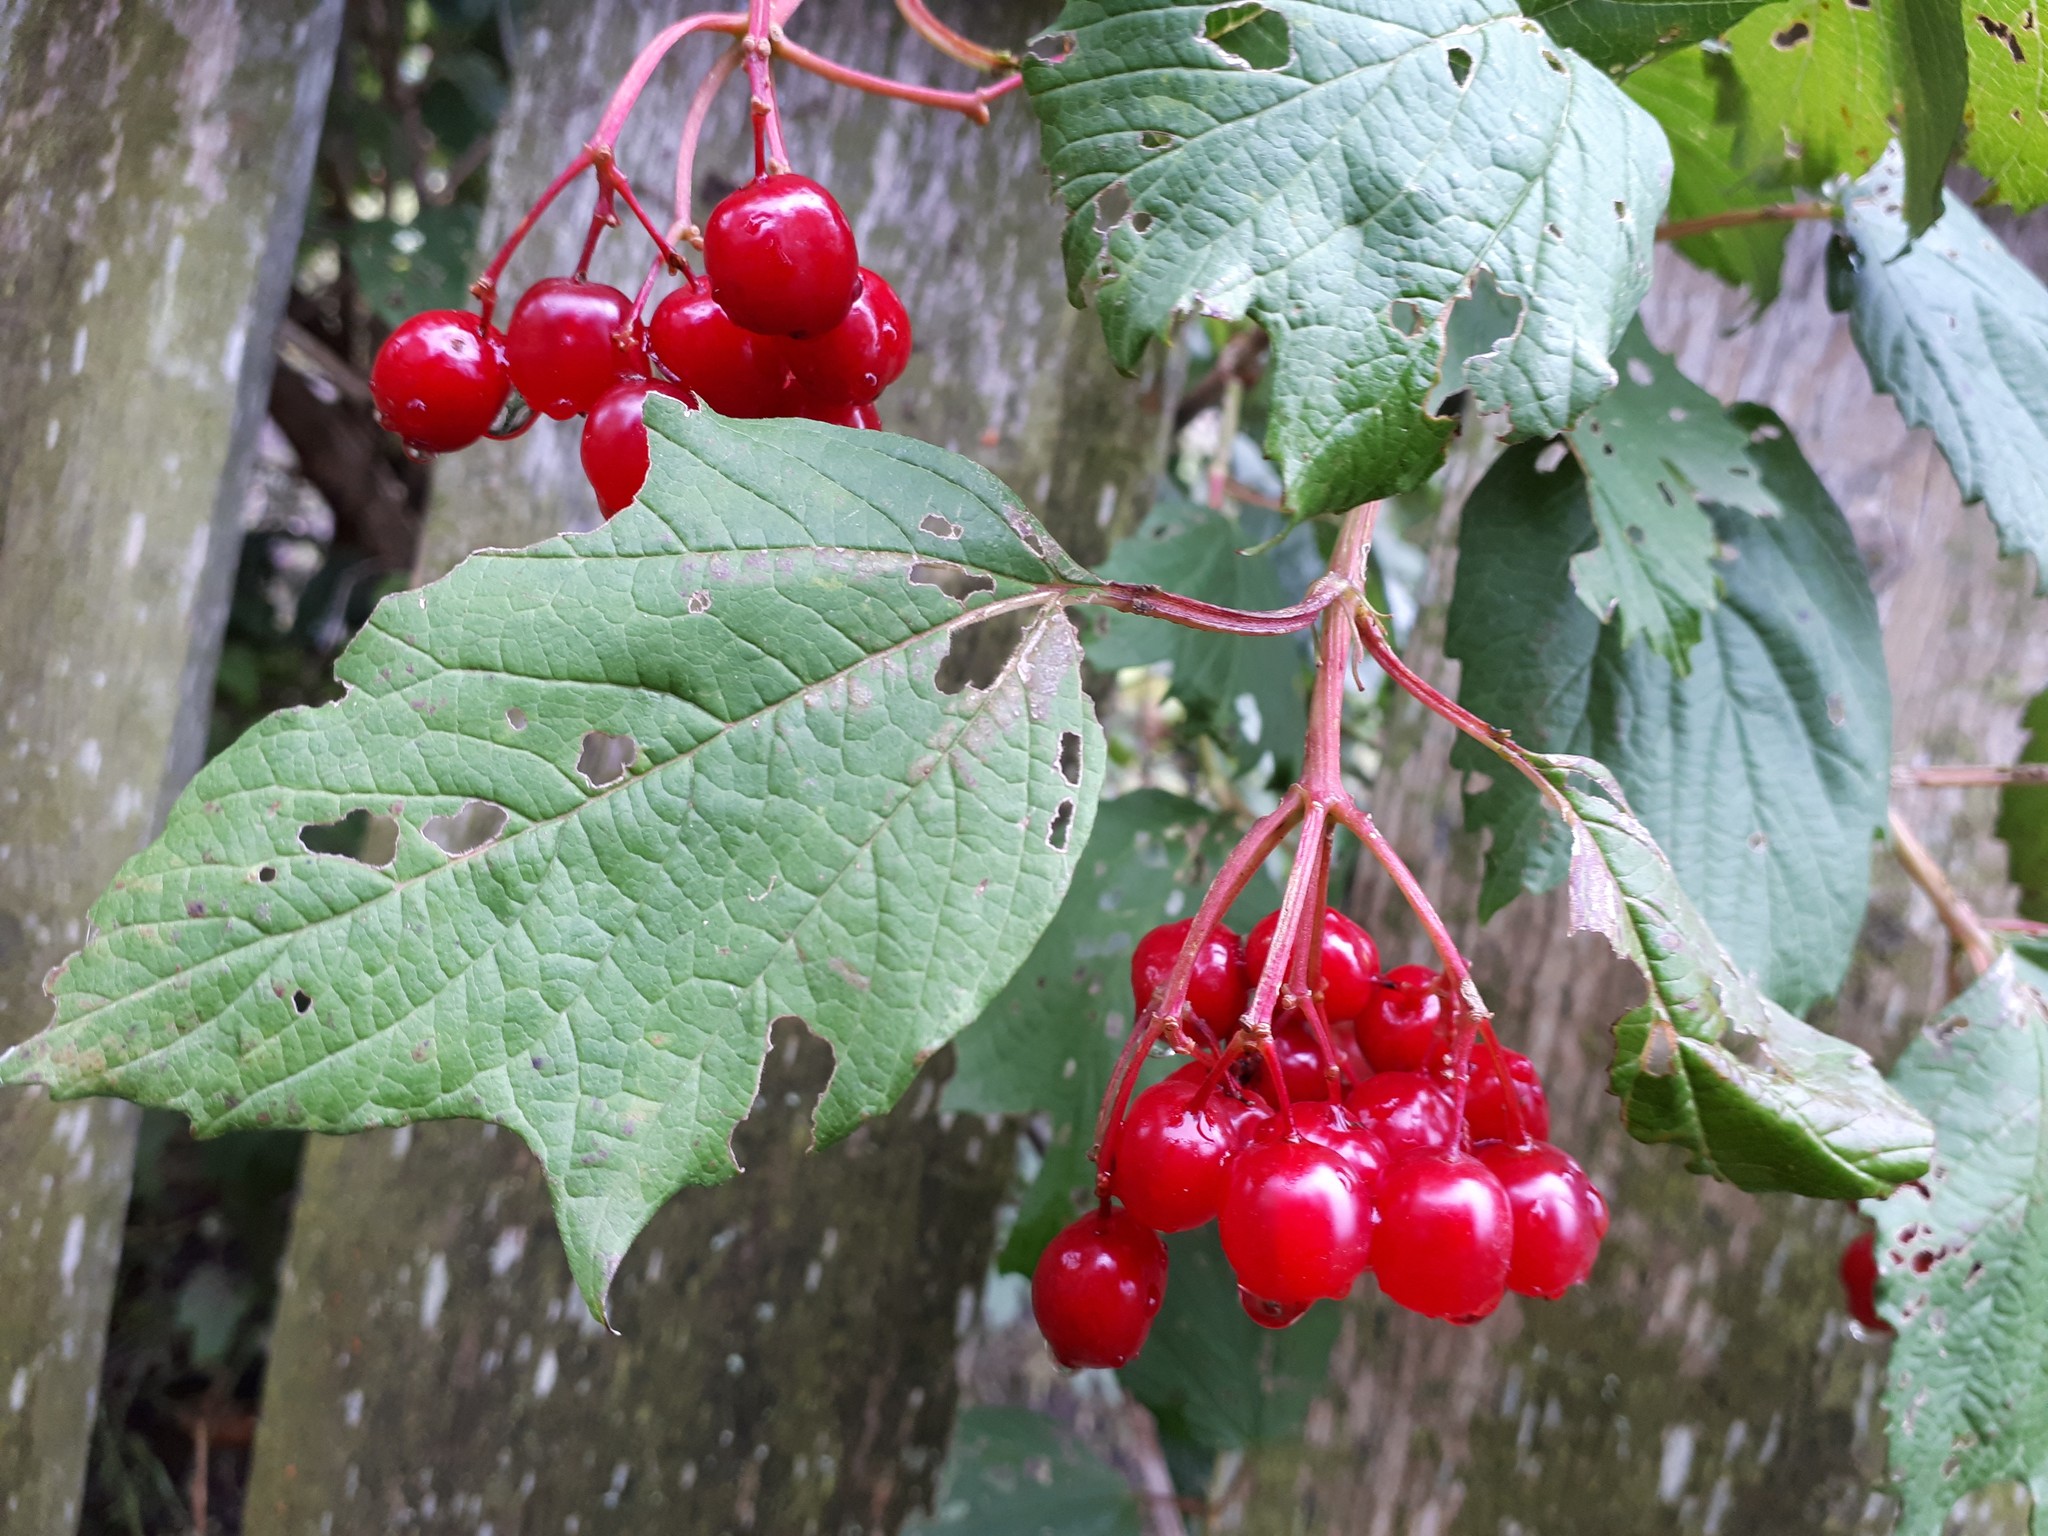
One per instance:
(1754,1095)
(1956,330)
(1763,772)
(697,774)
(1963,1254)
(1402,156)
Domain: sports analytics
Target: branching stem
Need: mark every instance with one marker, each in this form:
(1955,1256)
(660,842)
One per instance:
(1737,218)
(1957,915)
(942,37)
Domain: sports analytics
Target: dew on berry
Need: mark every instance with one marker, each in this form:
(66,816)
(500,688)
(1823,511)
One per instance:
(1333,1128)
(1173,1152)
(1097,1287)
(1271,1314)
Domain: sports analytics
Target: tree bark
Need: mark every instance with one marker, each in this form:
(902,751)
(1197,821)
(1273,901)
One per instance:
(1707,1380)
(154,157)
(786,1359)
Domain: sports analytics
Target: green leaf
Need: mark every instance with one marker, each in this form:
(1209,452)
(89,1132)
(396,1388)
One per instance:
(1012,1472)
(1933,69)
(691,774)
(1620,35)
(1819,87)
(2008,107)
(1405,154)
(1755,1096)
(1957,331)
(1652,452)
(1963,1254)
(1050,1040)
(2023,819)
(1697,98)
(1214,1379)
(1247,691)
(1763,772)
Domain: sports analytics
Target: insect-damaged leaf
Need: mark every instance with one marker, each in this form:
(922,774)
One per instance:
(1403,155)
(1963,1254)
(734,786)
(1756,1096)
(1621,34)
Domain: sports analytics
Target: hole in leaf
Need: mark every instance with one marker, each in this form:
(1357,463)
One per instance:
(1112,207)
(1554,231)
(1407,318)
(957,582)
(1792,36)
(1051,47)
(699,602)
(366,838)
(979,652)
(1070,756)
(516,718)
(1621,210)
(1482,323)
(476,825)
(1859,5)
(1252,35)
(1461,66)
(1768,432)
(1062,824)
(266,874)
(939,527)
(1140,221)
(302,1000)
(1154,138)
(1555,62)
(1551,456)
(605,758)
(1639,371)
(2003,34)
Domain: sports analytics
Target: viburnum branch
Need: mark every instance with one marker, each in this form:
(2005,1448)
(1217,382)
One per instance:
(1192,613)
(1737,218)
(620,107)
(971,104)
(942,37)
(1957,915)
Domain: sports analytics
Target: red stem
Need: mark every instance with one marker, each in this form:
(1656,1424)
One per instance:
(486,286)
(970,104)
(951,43)
(708,88)
(771,155)
(635,80)
(1192,613)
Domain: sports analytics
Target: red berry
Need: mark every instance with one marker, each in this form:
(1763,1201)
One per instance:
(1445,1238)
(1301,1061)
(569,342)
(1859,1282)
(781,257)
(1216,989)
(1270,1314)
(1411,1113)
(1331,1127)
(1559,1216)
(867,418)
(860,356)
(1404,1026)
(733,371)
(1295,1226)
(615,441)
(861,418)
(1350,962)
(439,380)
(1486,1106)
(1173,1153)
(1097,1288)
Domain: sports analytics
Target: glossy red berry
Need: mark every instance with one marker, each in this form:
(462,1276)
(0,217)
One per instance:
(1411,1113)
(1295,1226)
(1405,1024)
(731,370)
(1859,1282)
(781,257)
(1173,1153)
(1559,1216)
(860,418)
(1097,1288)
(863,354)
(1350,962)
(1446,1237)
(615,441)
(569,342)
(440,380)
(1486,1105)
(1335,1129)
(1270,1314)
(1302,1062)
(1216,990)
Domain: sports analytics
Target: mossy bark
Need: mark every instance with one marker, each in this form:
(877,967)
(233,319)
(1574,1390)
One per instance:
(154,156)
(785,1363)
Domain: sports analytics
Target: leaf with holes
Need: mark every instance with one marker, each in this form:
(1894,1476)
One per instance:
(1963,1254)
(1957,331)
(2023,819)
(1819,90)
(1653,452)
(2008,104)
(1763,771)
(626,798)
(1753,1094)
(1247,691)
(1620,35)
(1048,1043)
(1013,1472)
(1346,195)
(1696,97)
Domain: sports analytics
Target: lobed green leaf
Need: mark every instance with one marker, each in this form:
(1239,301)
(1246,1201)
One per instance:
(1402,157)
(618,802)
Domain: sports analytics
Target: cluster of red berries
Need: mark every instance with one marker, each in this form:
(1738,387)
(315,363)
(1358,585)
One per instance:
(790,324)
(1369,1165)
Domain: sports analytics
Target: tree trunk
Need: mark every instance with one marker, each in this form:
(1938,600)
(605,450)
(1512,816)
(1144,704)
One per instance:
(786,1363)
(154,156)
(1707,1380)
